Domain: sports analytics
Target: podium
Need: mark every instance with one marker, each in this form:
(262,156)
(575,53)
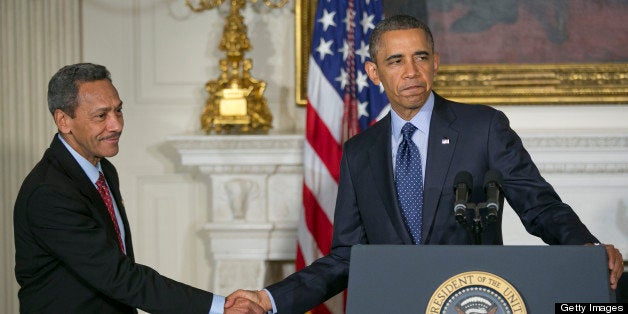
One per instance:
(456,278)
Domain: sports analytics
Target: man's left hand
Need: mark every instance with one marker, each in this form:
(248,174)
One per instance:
(615,264)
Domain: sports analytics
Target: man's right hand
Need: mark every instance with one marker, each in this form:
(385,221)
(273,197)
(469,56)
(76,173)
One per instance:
(259,297)
(242,306)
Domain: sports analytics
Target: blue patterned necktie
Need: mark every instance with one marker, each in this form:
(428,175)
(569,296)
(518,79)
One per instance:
(409,181)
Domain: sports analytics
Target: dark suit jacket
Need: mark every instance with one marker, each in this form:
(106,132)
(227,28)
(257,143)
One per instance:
(67,257)
(367,211)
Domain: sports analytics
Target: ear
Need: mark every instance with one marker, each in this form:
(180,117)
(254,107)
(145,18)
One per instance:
(436,62)
(63,121)
(371,70)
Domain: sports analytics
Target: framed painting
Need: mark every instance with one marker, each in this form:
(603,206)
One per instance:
(511,51)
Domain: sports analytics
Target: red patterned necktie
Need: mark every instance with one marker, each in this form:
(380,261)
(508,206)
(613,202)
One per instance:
(106,197)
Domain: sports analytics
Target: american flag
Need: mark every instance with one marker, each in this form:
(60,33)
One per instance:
(342,101)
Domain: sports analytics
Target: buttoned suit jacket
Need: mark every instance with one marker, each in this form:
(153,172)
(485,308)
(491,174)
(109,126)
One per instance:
(473,138)
(68,259)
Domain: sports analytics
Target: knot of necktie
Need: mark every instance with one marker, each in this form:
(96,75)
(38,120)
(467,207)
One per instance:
(407,130)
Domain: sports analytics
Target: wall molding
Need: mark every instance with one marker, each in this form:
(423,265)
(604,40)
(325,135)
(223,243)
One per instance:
(578,152)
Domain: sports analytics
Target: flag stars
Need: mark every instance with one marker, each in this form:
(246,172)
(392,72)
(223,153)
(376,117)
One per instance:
(362,81)
(343,78)
(324,48)
(362,109)
(367,22)
(363,52)
(327,19)
(346,50)
(340,55)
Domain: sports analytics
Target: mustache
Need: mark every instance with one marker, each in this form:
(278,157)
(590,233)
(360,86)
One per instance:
(413,85)
(115,135)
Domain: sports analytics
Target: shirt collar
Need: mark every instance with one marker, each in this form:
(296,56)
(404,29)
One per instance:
(421,120)
(92,172)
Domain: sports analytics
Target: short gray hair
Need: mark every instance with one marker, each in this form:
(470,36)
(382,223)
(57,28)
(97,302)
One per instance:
(64,85)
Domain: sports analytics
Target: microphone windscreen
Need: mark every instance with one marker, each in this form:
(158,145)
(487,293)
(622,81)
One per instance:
(493,176)
(464,177)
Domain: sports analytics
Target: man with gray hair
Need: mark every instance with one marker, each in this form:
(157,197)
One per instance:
(73,245)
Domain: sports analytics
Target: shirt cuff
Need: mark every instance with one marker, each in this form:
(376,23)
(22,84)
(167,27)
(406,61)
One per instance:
(218,305)
(272,302)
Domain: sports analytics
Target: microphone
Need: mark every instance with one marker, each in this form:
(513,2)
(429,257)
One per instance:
(493,181)
(462,188)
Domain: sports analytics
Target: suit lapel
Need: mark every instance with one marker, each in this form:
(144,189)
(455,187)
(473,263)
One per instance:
(76,174)
(441,146)
(86,187)
(380,154)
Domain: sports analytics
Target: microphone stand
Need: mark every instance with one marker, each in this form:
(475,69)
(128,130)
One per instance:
(478,227)
(491,207)
(478,222)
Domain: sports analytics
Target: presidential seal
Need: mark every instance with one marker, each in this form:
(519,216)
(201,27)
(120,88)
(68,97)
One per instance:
(476,292)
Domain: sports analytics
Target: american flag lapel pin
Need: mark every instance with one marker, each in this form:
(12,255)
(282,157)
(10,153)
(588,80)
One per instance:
(444,141)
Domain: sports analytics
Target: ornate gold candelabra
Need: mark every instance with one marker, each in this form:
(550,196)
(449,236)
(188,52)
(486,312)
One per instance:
(236,102)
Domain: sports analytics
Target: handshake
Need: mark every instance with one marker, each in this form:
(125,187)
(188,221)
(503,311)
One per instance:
(247,301)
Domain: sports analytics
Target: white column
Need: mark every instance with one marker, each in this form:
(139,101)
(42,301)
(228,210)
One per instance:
(36,39)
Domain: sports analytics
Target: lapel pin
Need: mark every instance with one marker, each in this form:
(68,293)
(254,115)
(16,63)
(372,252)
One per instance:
(444,141)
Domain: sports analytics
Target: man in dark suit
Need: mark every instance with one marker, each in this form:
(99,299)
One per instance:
(450,137)
(74,252)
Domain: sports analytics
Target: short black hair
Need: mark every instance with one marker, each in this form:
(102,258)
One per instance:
(64,85)
(393,23)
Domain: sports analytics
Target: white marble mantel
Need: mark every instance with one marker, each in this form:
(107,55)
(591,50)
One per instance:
(254,187)
(231,150)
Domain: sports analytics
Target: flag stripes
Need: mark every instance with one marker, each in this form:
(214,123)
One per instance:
(341,102)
